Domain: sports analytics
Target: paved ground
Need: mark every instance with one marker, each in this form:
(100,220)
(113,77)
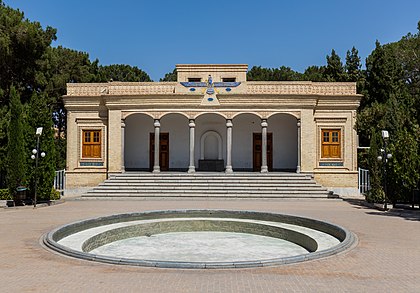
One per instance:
(386,258)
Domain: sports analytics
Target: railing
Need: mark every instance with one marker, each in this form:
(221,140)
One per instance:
(60,180)
(364,183)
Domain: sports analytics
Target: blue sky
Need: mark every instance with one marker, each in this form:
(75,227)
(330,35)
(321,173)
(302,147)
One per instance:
(156,35)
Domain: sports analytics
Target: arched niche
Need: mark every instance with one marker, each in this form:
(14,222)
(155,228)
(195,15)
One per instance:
(211,146)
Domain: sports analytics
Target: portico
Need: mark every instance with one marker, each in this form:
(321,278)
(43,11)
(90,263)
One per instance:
(212,119)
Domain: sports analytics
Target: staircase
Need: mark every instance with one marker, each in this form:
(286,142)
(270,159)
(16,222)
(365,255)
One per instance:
(238,185)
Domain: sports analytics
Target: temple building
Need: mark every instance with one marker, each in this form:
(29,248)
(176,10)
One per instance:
(212,120)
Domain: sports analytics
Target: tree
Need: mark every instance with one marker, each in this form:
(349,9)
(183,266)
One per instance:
(170,76)
(120,72)
(404,172)
(15,148)
(42,117)
(58,67)
(389,102)
(315,73)
(353,65)
(376,193)
(334,70)
(4,121)
(22,44)
(283,73)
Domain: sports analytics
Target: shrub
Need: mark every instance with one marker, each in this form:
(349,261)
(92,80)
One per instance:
(55,194)
(5,194)
(375,196)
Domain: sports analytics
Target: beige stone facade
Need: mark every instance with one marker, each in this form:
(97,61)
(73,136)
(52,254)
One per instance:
(204,97)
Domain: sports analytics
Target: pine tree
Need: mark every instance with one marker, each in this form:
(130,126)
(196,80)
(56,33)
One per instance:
(170,76)
(15,148)
(315,73)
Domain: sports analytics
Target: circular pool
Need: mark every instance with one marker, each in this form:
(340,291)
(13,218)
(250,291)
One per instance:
(199,239)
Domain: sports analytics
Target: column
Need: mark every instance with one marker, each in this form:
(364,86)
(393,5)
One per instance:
(122,144)
(191,167)
(298,146)
(229,126)
(264,167)
(114,142)
(156,167)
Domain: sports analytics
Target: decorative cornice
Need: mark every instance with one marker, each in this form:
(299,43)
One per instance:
(302,88)
(250,88)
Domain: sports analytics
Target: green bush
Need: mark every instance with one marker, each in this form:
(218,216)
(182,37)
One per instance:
(5,194)
(55,194)
(375,196)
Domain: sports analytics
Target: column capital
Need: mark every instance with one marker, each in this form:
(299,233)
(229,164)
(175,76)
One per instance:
(157,123)
(192,123)
(229,123)
(122,123)
(264,123)
(298,122)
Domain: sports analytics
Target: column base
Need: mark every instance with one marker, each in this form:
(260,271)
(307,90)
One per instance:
(122,169)
(297,169)
(156,169)
(228,169)
(191,169)
(264,169)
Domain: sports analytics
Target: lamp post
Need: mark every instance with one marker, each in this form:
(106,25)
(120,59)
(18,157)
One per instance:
(35,154)
(384,156)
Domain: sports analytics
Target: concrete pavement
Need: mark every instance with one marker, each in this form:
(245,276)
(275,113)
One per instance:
(386,258)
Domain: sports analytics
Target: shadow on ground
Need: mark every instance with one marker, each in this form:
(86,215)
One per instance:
(401,210)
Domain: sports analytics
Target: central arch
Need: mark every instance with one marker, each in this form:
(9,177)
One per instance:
(211,134)
(211,146)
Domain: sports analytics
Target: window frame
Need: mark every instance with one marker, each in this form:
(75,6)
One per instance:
(194,79)
(228,79)
(92,143)
(331,143)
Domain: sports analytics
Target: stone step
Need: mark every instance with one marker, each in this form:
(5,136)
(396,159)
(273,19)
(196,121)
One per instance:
(209,191)
(132,184)
(210,179)
(206,195)
(210,174)
(170,184)
(194,187)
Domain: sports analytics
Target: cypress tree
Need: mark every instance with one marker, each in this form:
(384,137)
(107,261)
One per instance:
(376,193)
(334,70)
(15,148)
(353,65)
(40,115)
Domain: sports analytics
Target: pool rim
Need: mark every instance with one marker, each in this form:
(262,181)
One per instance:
(346,237)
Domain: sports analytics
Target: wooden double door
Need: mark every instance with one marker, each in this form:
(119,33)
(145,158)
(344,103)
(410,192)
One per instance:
(163,151)
(257,151)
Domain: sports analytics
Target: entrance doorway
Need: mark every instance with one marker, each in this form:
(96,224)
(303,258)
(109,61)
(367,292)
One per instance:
(257,151)
(163,151)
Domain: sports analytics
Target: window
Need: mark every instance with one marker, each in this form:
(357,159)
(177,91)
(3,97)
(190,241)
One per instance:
(194,79)
(228,79)
(331,143)
(91,147)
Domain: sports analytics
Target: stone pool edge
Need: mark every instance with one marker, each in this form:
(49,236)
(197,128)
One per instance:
(347,241)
